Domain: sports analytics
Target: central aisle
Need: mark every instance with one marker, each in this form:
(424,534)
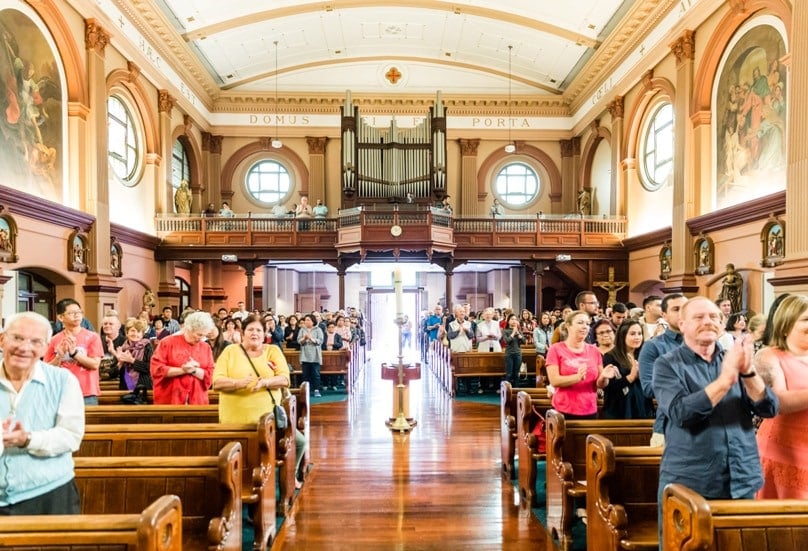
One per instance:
(438,487)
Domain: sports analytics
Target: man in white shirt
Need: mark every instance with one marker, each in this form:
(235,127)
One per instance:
(241,313)
(488,333)
(42,412)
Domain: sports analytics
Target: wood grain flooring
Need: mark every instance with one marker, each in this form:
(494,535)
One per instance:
(437,487)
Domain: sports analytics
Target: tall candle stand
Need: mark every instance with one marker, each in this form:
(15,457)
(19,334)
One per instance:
(400,423)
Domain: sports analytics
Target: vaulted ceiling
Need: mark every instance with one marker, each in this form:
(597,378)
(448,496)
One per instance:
(541,48)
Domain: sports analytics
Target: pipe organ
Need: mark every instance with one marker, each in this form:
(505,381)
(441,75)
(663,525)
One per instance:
(386,163)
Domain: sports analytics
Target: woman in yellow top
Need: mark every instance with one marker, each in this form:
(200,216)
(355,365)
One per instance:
(243,374)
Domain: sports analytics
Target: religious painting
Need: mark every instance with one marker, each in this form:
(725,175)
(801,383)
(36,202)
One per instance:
(31,108)
(115,258)
(665,255)
(704,255)
(750,123)
(77,249)
(8,238)
(773,238)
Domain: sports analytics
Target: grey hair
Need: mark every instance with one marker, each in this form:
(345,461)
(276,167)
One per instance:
(31,316)
(198,321)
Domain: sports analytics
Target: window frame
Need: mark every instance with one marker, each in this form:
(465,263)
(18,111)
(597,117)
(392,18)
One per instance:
(132,126)
(536,168)
(251,164)
(185,161)
(649,182)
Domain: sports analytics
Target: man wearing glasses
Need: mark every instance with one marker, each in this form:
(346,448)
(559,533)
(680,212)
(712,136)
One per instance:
(77,349)
(586,301)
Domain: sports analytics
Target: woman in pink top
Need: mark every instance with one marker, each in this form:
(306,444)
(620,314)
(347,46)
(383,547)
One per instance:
(784,366)
(575,370)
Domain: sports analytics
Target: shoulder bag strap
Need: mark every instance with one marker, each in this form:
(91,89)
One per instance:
(249,360)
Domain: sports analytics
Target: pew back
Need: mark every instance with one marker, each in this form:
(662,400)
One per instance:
(156,528)
(488,364)
(507,415)
(691,522)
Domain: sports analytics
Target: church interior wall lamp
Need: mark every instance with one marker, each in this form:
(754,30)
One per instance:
(276,141)
(510,148)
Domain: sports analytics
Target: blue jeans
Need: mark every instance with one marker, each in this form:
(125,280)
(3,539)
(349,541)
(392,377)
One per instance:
(512,364)
(311,373)
(91,400)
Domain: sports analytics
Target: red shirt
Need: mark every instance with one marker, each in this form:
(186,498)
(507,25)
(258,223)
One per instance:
(89,344)
(173,351)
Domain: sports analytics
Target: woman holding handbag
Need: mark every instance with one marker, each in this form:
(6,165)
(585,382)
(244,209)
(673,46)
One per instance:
(251,378)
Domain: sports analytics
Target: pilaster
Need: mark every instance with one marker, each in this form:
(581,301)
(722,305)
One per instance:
(468,203)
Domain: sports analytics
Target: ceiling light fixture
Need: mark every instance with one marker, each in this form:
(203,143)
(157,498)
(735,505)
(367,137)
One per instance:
(511,147)
(276,141)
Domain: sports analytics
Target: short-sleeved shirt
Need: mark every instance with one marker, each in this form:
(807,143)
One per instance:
(582,397)
(88,343)
(710,449)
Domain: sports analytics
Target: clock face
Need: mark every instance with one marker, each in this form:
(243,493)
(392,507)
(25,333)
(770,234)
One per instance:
(395,231)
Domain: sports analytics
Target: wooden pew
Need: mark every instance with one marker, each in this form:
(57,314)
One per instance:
(259,457)
(567,459)
(487,364)
(691,522)
(527,444)
(303,415)
(621,496)
(157,528)
(508,431)
(208,486)
(113,397)
(335,362)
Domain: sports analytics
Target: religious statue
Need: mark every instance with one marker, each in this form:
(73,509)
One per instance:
(732,288)
(149,300)
(611,286)
(585,202)
(182,198)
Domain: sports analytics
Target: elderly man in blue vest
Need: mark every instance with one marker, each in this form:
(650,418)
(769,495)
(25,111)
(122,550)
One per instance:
(42,413)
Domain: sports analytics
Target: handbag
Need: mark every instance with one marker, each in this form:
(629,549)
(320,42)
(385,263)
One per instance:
(281,419)
(539,432)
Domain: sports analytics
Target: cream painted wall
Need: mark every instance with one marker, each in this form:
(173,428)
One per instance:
(602,179)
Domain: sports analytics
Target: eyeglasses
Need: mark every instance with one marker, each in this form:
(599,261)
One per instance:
(73,313)
(19,340)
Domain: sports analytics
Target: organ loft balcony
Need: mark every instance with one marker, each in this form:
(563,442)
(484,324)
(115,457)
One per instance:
(385,231)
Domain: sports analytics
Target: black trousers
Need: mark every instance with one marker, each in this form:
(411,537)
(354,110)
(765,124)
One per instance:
(63,500)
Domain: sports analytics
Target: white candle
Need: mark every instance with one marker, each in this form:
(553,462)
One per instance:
(399,292)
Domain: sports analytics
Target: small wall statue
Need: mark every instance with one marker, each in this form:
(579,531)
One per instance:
(182,198)
(732,288)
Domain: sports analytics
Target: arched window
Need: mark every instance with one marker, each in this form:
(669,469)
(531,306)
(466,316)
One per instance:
(122,141)
(657,148)
(516,184)
(268,182)
(180,165)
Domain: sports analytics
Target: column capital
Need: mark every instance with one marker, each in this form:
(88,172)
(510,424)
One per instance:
(684,47)
(165,101)
(616,108)
(96,37)
(134,71)
(316,145)
(468,147)
(567,148)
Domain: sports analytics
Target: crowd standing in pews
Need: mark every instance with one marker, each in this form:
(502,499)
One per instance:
(42,412)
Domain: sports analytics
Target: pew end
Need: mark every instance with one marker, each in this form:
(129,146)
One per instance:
(691,522)
(157,528)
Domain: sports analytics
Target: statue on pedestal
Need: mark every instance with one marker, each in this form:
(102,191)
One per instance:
(182,198)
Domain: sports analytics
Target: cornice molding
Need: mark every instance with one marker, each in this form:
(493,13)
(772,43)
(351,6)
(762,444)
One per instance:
(134,237)
(750,211)
(654,238)
(42,210)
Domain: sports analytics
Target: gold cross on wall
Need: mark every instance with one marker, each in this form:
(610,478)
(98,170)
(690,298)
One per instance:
(393,75)
(611,286)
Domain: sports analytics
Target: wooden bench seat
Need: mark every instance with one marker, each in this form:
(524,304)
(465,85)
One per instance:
(335,362)
(567,459)
(691,522)
(487,364)
(208,486)
(259,456)
(157,528)
(113,397)
(621,496)
(508,431)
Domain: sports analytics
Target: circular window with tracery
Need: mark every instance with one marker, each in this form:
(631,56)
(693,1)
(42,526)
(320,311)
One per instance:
(268,182)
(516,184)
(657,149)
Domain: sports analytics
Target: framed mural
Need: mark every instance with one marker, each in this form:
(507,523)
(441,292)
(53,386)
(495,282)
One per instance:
(704,255)
(665,254)
(773,239)
(31,108)
(78,245)
(8,238)
(750,111)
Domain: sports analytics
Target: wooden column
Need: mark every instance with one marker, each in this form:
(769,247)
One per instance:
(468,203)
(341,288)
(213,295)
(570,176)
(685,198)
(792,275)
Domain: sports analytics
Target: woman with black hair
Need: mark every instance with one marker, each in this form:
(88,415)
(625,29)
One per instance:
(623,397)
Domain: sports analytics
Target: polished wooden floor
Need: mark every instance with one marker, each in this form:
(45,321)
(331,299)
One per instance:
(437,487)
